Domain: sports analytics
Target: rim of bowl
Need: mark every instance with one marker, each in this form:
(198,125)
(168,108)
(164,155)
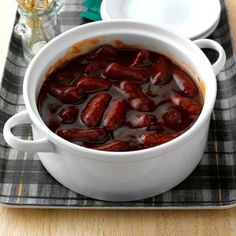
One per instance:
(129,155)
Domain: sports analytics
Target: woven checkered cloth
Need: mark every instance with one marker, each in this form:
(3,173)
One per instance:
(24,180)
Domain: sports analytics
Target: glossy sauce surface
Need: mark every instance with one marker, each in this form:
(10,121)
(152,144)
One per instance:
(119,99)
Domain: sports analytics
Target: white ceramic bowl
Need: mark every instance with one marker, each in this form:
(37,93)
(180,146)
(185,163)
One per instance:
(119,176)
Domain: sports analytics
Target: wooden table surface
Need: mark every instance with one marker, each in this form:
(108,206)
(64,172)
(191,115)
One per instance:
(18,222)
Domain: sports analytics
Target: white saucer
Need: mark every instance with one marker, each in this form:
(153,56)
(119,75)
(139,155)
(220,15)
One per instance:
(190,18)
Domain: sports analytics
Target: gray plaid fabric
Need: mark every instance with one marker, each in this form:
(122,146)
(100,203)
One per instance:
(24,181)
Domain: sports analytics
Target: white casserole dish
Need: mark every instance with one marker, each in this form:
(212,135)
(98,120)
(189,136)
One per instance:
(119,176)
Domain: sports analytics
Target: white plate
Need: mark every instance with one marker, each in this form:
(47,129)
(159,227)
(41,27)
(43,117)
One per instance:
(190,18)
(207,33)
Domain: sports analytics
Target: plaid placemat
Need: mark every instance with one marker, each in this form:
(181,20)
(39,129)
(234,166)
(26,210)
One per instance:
(25,182)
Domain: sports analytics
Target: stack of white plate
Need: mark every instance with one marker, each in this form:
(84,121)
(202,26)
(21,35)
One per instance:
(191,18)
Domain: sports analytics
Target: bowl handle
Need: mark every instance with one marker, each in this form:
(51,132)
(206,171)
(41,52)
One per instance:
(40,145)
(208,43)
